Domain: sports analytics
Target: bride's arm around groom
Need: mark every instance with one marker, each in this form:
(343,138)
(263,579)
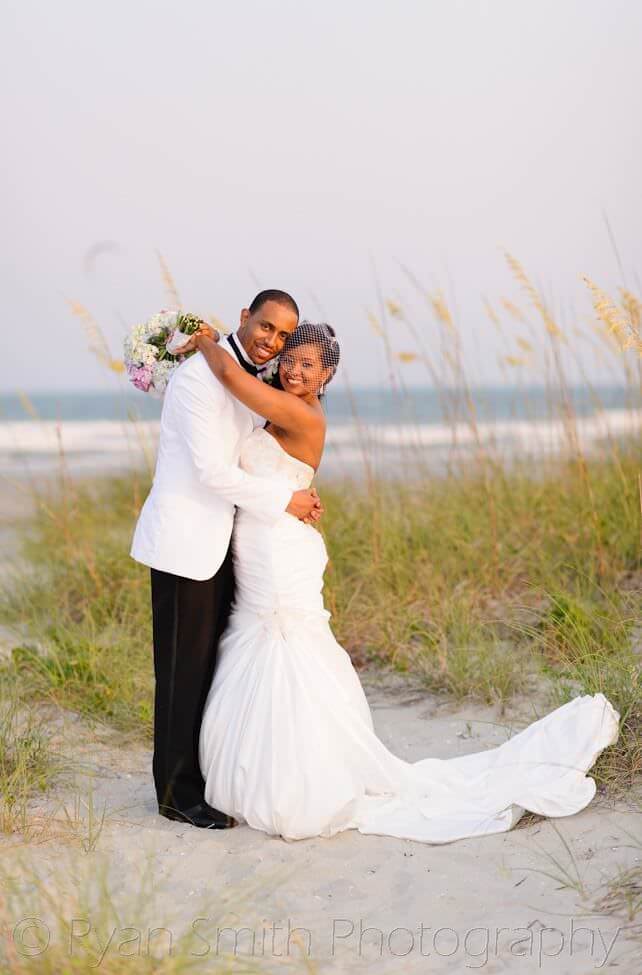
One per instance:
(208,419)
(186,522)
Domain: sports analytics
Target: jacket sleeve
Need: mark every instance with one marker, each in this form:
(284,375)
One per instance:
(266,498)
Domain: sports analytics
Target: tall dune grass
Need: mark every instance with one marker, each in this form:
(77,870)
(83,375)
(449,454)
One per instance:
(485,582)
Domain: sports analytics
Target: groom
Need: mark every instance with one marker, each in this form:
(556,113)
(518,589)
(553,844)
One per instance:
(183,534)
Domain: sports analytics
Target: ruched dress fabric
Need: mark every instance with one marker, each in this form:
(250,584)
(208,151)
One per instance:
(287,741)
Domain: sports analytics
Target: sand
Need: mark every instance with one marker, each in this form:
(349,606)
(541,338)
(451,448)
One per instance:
(499,903)
(496,902)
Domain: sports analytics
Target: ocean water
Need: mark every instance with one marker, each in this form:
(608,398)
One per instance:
(371,405)
(388,432)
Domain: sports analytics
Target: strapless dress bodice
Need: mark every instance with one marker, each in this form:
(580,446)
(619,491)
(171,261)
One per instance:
(262,455)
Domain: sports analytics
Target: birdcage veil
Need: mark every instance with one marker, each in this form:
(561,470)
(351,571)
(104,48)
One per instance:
(312,351)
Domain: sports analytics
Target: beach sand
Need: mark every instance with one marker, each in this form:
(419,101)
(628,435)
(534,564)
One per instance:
(498,903)
(496,898)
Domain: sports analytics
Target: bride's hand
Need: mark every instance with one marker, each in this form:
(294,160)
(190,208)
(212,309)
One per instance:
(206,331)
(203,331)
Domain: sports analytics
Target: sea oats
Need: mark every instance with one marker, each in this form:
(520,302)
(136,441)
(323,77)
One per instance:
(536,299)
(492,314)
(618,324)
(168,281)
(394,308)
(441,310)
(374,323)
(513,310)
(97,341)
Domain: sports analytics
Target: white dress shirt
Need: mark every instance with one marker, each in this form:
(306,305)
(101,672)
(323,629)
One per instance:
(243,352)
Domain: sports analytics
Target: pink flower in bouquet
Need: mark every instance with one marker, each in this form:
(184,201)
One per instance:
(153,349)
(141,376)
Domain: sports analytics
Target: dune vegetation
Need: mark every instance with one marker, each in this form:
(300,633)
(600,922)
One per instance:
(486,582)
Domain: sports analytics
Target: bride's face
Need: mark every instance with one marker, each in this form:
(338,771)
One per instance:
(301,370)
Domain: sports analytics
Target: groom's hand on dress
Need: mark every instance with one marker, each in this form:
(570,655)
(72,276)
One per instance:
(306,505)
(318,509)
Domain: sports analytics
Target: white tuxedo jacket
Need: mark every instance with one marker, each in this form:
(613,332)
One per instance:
(185,525)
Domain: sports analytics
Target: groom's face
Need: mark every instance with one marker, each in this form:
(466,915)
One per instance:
(263,333)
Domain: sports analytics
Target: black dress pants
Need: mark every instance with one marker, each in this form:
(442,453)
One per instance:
(189,617)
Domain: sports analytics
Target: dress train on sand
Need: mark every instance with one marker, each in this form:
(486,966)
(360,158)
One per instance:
(287,742)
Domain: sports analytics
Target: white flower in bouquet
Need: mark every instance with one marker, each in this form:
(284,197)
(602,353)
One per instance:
(152,349)
(160,376)
(148,354)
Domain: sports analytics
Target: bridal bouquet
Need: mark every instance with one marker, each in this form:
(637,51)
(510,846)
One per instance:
(152,350)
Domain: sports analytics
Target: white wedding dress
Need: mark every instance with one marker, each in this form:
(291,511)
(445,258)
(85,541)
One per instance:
(287,743)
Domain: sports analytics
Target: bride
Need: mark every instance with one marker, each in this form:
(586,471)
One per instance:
(287,743)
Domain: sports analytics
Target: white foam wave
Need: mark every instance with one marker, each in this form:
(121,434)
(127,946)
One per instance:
(75,436)
(524,433)
(104,443)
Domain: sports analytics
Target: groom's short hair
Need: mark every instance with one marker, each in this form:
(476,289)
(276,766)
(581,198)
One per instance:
(273,294)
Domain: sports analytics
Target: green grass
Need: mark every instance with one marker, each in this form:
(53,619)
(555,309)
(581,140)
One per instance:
(483,582)
(478,583)
(87,602)
(28,762)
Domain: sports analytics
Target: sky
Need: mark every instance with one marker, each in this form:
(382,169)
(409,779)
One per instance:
(339,150)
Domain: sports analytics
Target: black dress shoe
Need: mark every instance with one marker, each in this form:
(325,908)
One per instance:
(201,815)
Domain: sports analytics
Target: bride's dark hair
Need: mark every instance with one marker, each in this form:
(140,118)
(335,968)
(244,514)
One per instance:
(321,335)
